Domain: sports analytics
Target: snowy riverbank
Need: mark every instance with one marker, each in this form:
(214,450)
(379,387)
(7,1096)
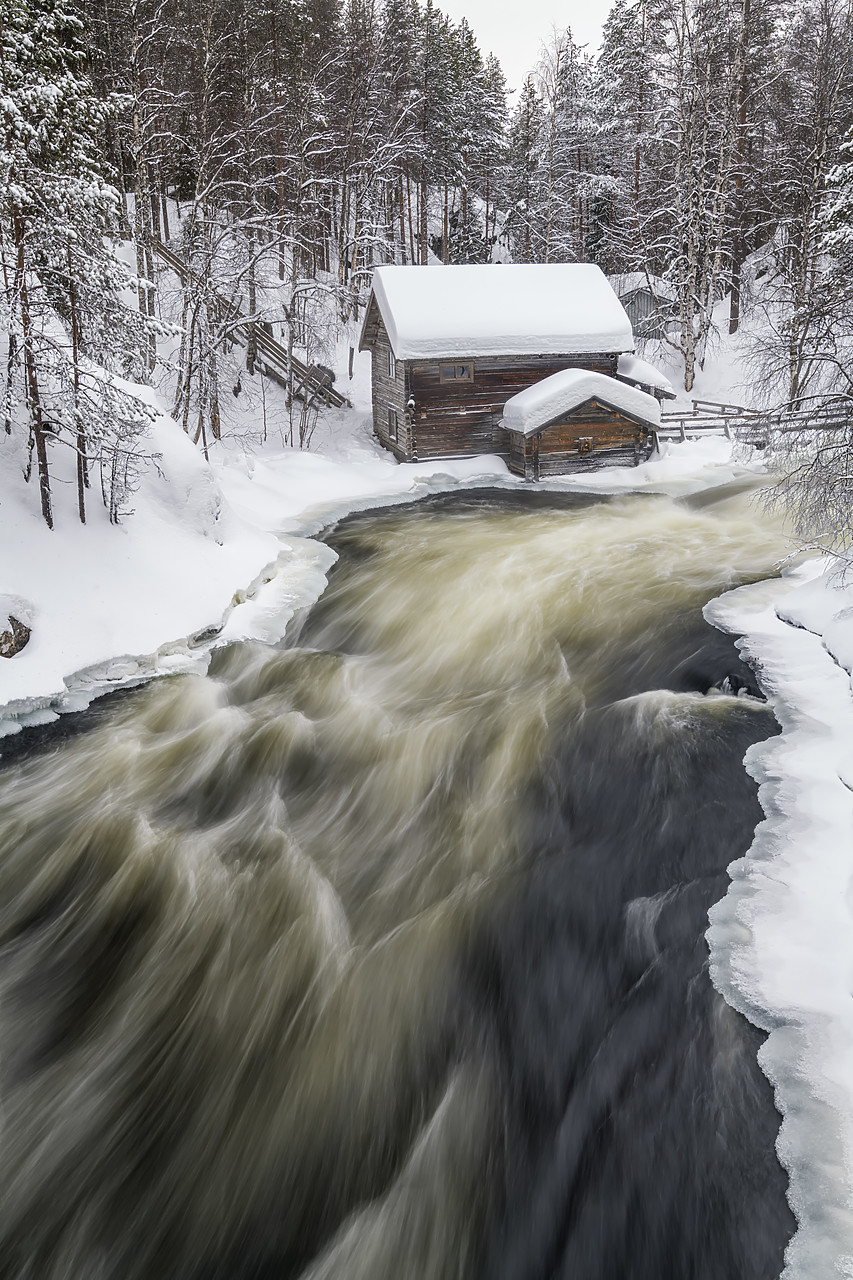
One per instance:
(217,551)
(782,939)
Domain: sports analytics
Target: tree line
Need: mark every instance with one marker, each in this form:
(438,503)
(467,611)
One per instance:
(286,147)
(704,130)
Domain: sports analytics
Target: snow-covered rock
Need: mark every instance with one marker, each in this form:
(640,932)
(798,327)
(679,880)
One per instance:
(14,634)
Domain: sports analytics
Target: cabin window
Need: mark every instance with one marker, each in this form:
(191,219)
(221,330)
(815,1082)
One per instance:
(392,424)
(585,444)
(392,365)
(456,372)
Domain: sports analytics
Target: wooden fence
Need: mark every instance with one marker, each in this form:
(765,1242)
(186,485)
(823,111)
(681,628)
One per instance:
(749,426)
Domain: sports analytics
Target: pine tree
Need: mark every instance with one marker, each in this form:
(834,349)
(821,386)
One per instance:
(568,154)
(464,132)
(628,98)
(524,219)
(57,213)
(492,151)
(400,56)
(435,93)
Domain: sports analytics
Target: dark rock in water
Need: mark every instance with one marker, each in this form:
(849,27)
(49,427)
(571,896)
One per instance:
(736,686)
(13,640)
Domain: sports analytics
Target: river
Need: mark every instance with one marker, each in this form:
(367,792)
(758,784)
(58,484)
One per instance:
(380,954)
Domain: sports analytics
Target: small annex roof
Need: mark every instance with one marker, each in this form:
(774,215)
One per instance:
(444,312)
(633,369)
(544,402)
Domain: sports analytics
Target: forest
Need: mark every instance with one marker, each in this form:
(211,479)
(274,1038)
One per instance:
(284,149)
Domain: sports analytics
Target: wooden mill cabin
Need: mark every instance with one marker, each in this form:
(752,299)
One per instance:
(451,346)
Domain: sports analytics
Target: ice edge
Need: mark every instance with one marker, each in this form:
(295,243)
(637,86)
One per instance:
(763,933)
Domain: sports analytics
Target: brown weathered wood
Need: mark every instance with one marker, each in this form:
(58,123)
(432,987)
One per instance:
(462,418)
(592,436)
(389,393)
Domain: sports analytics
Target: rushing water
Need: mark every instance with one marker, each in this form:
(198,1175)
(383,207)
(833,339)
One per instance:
(380,955)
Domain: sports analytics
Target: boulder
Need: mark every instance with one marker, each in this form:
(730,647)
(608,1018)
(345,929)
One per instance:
(13,639)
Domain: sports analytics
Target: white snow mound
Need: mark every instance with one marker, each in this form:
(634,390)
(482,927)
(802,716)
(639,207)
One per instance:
(637,370)
(518,309)
(562,392)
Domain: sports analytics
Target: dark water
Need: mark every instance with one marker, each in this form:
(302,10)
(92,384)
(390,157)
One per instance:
(382,954)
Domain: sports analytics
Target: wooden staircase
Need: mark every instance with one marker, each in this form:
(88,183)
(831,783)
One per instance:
(309,382)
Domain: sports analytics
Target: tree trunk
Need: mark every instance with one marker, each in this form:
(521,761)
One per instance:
(739,241)
(424,247)
(402,223)
(251,342)
(188,371)
(82,472)
(411,223)
(164,199)
(213,377)
(487,252)
(445,248)
(31,375)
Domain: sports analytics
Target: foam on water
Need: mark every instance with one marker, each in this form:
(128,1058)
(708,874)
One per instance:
(379,952)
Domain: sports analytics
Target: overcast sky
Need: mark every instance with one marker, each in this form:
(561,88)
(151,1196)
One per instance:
(514,29)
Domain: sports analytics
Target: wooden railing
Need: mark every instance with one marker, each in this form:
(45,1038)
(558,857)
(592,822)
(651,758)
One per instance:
(705,419)
(308,381)
(714,407)
(749,426)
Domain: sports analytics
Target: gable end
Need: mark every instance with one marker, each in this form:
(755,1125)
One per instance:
(592,411)
(372,326)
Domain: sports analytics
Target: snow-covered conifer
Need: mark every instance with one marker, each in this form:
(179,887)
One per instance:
(524,217)
(67,318)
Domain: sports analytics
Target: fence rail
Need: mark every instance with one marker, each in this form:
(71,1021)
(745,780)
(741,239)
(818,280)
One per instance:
(750,426)
(717,409)
(309,382)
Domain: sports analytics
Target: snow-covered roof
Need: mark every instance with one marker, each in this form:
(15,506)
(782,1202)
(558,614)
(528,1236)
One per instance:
(562,392)
(543,309)
(637,370)
(631,281)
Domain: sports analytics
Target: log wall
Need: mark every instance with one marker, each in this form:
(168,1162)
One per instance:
(593,436)
(390,393)
(459,418)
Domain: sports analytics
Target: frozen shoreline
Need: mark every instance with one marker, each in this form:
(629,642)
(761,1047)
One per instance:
(781,940)
(223,552)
